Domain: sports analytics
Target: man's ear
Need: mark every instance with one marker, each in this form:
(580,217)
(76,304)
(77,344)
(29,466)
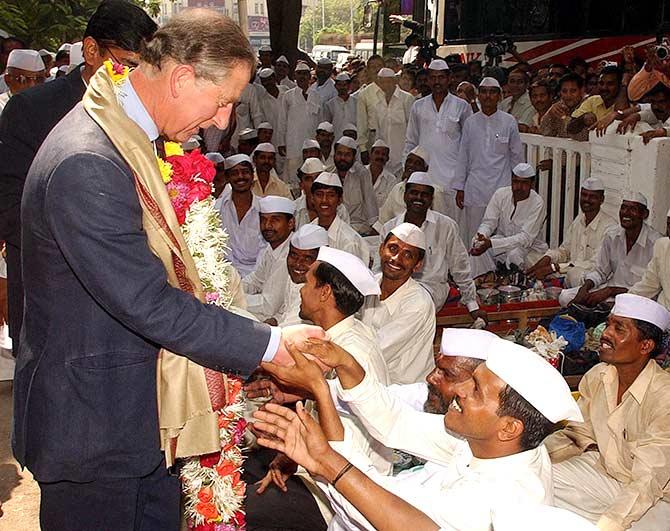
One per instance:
(509,429)
(181,77)
(91,51)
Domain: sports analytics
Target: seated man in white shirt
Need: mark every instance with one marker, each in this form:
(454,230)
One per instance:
(327,197)
(503,412)
(511,231)
(383,180)
(266,180)
(325,138)
(622,259)
(445,253)
(276,224)
(576,255)
(404,314)
(305,211)
(239,211)
(359,195)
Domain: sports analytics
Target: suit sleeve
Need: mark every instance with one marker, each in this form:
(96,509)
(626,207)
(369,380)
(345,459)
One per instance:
(95,217)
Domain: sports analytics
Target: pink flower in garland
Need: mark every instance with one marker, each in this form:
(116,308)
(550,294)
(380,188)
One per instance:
(178,192)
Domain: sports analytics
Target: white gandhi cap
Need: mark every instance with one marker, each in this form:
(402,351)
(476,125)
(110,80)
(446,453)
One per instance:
(312,165)
(642,308)
(266,125)
(351,267)
(325,126)
(329,179)
(380,143)
(215,157)
(282,59)
(524,170)
(76,54)
(348,142)
(593,183)
(385,72)
(534,379)
(265,73)
(271,204)
(248,134)
(310,143)
(302,67)
(350,127)
(466,343)
(421,153)
(29,60)
(438,64)
(489,82)
(265,48)
(265,147)
(234,160)
(421,177)
(634,197)
(309,237)
(410,234)
(342,76)
(324,61)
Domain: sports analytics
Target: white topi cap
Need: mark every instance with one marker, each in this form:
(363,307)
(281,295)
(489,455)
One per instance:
(65,46)
(76,54)
(385,72)
(421,153)
(410,234)
(310,143)
(593,183)
(312,165)
(324,61)
(248,134)
(265,73)
(234,160)
(342,76)
(309,236)
(466,343)
(489,82)
(350,127)
(634,197)
(266,125)
(348,142)
(642,308)
(421,177)
(271,204)
(302,67)
(380,143)
(523,170)
(329,179)
(282,59)
(265,147)
(351,267)
(265,48)
(29,60)
(215,157)
(191,143)
(530,375)
(325,126)
(438,64)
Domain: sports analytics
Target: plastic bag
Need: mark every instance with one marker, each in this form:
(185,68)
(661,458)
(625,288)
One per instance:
(572,331)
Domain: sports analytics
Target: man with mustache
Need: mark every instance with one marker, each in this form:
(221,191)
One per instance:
(622,259)
(276,223)
(493,429)
(325,136)
(266,180)
(445,252)
(614,469)
(404,314)
(341,109)
(383,180)
(576,254)
(305,211)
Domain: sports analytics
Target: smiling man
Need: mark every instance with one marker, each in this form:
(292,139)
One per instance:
(614,469)
(266,180)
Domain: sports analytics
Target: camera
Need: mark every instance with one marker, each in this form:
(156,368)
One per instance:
(497,46)
(662,52)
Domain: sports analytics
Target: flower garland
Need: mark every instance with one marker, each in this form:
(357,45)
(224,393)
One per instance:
(212,485)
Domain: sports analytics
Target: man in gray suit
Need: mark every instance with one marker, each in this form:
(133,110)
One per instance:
(98,301)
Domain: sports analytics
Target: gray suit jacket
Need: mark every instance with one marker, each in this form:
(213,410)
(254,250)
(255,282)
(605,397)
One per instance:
(98,308)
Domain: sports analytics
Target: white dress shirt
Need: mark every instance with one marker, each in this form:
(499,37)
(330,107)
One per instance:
(490,148)
(445,255)
(289,312)
(244,237)
(522,109)
(326,92)
(302,214)
(617,268)
(655,283)
(359,198)
(268,260)
(405,326)
(270,106)
(439,133)
(383,185)
(389,121)
(341,236)
(274,186)
(339,113)
(297,120)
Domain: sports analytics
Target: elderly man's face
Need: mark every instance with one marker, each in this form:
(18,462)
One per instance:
(621,343)
(19,80)
(387,84)
(197,103)
(448,371)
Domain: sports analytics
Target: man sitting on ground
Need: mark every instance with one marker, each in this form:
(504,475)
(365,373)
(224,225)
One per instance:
(266,180)
(305,211)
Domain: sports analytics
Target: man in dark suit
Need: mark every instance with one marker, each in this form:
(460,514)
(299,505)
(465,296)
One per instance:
(115,30)
(98,304)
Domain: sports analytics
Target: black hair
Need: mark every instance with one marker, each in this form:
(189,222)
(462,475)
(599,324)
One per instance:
(578,61)
(422,253)
(613,70)
(375,56)
(120,23)
(288,216)
(536,427)
(659,88)
(459,67)
(321,186)
(571,77)
(541,83)
(62,54)
(650,331)
(407,185)
(11,38)
(557,65)
(348,299)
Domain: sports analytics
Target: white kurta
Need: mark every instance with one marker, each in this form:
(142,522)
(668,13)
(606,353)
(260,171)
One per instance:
(297,120)
(405,326)
(439,133)
(367,98)
(394,205)
(288,83)
(655,283)
(269,261)
(270,106)
(576,255)
(248,109)
(383,185)
(341,236)
(339,113)
(289,312)
(244,237)
(490,148)
(515,231)
(389,121)
(522,109)
(359,198)
(302,214)
(446,255)
(326,92)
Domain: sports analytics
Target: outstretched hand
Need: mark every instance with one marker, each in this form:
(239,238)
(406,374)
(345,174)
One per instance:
(295,335)
(304,374)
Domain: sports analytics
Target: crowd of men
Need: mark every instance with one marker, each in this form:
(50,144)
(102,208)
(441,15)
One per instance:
(361,201)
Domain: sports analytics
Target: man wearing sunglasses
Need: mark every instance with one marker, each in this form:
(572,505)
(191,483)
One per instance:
(114,32)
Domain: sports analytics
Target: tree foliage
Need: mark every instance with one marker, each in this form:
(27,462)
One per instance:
(337,22)
(49,23)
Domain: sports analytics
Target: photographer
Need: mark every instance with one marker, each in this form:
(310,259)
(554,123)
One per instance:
(656,68)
